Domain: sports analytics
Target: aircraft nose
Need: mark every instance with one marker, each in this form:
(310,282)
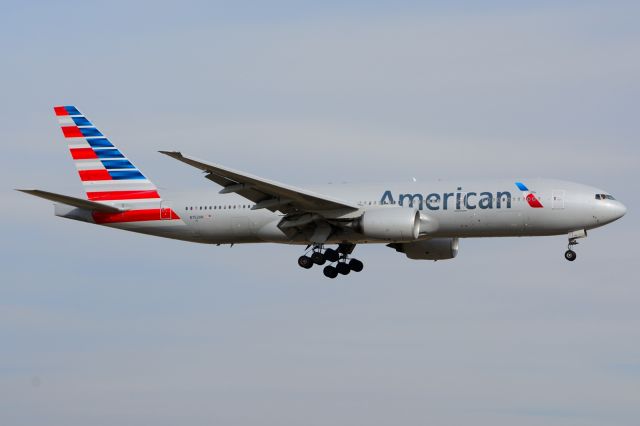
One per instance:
(620,210)
(613,210)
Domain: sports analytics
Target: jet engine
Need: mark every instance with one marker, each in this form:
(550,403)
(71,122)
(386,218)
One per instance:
(390,223)
(433,249)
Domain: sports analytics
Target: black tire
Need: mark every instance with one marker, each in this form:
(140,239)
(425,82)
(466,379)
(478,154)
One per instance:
(331,255)
(570,255)
(305,262)
(355,265)
(318,258)
(330,272)
(343,268)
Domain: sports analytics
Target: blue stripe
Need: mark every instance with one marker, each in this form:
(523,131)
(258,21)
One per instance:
(90,131)
(72,110)
(108,153)
(117,164)
(126,174)
(521,186)
(99,143)
(81,121)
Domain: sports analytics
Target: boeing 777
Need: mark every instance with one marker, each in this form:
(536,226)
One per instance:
(423,221)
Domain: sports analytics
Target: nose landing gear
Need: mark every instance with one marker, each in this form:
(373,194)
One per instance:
(571,255)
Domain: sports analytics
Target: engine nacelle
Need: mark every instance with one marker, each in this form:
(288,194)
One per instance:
(390,223)
(433,249)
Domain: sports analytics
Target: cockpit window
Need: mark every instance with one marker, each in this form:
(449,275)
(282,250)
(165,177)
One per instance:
(604,197)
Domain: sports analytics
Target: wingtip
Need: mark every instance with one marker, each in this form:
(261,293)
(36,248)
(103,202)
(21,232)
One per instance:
(173,154)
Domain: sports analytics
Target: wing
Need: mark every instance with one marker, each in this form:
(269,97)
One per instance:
(267,194)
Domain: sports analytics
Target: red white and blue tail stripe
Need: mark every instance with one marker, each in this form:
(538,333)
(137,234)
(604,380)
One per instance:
(107,175)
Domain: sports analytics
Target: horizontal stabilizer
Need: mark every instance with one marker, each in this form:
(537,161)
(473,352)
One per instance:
(72,201)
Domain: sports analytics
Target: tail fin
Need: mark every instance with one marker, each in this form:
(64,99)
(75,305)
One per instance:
(106,174)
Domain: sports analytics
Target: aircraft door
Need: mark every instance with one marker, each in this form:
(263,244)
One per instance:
(557,199)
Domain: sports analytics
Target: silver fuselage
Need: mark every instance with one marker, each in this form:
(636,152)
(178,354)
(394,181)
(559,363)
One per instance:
(458,207)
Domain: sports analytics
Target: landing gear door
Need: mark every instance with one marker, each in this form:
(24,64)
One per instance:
(165,210)
(557,199)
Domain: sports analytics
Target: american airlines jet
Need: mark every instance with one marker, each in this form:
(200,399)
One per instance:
(423,221)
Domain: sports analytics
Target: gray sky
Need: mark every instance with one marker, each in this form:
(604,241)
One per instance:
(104,327)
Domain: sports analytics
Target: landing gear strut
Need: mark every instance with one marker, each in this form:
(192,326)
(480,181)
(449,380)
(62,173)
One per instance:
(340,256)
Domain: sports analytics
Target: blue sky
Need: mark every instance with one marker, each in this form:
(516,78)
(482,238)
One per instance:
(100,326)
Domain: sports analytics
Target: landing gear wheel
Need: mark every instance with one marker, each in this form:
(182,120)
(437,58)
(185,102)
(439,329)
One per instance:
(331,255)
(305,262)
(343,268)
(318,258)
(330,272)
(570,255)
(355,265)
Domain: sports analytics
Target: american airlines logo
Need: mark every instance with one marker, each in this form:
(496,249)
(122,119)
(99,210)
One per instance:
(460,200)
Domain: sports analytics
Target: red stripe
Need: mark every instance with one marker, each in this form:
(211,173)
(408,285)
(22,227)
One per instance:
(121,195)
(533,201)
(134,216)
(71,132)
(82,153)
(100,174)
(60,110)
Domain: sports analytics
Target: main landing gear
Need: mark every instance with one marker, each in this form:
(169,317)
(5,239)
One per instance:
(340,256)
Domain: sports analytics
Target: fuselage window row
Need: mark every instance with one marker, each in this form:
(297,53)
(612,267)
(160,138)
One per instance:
(225,207)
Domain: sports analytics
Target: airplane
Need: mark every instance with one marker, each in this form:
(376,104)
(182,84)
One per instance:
(421,220)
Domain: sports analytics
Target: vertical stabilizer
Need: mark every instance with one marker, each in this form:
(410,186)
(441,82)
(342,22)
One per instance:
(106,173)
